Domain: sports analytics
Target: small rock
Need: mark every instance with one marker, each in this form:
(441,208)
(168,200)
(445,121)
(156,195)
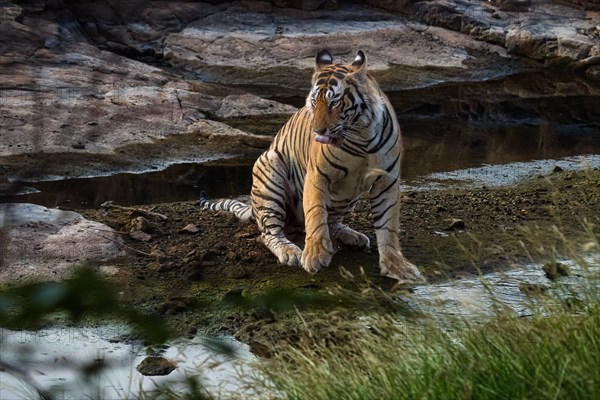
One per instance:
(260,350)
(231,256)
(234,296)
(246,235)
(512,5)
(532,288)
(192,331)
(265,314)
(155,266)
(174,306)
(236,272)
(246,331)
(158,253)
(196,275)
(78,146)
(206,264)
(109,270)
(139,235)
(555,270)
(142,224)
(155,366)
(455,223)
(557,169)
(190,228)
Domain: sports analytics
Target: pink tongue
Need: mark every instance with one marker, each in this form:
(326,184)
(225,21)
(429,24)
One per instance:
(323,139)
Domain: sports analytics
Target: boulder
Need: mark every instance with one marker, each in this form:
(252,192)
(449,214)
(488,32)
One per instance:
(85,111)
(47,244)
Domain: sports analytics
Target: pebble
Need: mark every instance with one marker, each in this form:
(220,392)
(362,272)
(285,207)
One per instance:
(236,272)
(455,223)
(555,270)
(139,235)
(190,228)
(155,366)
(142,224)
(260,350)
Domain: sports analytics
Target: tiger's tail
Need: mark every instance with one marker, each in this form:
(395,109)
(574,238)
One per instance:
(241,210)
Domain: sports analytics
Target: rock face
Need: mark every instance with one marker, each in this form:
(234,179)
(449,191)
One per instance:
(70,88)
(284,34)
(41,243)
(64,99)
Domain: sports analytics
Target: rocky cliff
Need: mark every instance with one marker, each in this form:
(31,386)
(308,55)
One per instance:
(91,87)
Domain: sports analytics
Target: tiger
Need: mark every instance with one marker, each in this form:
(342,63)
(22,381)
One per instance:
(344,141)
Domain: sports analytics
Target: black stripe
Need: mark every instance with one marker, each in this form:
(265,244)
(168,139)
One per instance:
(383,138)
(267,185)
(334,165)
(323,174)
(394,182)
(269,198)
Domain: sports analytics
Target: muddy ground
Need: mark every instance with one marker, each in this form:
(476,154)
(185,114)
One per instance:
(220,280)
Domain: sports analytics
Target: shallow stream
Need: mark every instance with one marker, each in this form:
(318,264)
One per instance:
(447,127)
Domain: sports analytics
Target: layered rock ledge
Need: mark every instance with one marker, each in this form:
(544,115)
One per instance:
(102,86)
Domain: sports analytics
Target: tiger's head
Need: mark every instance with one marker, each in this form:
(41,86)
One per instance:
(338,98)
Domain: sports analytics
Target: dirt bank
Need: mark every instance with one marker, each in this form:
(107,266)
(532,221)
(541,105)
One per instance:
(213,277)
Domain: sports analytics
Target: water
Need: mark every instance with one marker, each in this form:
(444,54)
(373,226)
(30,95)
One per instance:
(180,182)
(54,359)
(521,291)
(452,126)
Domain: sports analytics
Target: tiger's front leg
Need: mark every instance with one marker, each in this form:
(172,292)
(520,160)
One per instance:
(385,208)
(318,249)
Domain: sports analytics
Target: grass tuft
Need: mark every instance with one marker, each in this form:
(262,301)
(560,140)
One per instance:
(540,357)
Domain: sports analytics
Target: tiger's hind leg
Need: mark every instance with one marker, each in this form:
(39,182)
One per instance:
(344,236)
(269,207)
(287,253)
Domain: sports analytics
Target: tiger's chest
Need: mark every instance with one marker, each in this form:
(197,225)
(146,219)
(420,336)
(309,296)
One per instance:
(343,178)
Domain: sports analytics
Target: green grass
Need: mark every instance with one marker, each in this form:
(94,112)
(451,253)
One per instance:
(554,354)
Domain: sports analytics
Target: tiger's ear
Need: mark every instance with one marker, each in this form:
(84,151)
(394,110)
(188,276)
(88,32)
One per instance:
(360,62)
(323,58)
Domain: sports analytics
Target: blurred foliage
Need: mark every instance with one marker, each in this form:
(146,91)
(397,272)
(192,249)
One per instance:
(85,294)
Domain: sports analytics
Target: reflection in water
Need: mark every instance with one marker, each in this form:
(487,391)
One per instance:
(523,117)
(451,126)
(439,147)
(181,182)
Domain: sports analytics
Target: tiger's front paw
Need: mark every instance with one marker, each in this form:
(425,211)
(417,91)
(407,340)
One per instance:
(316,255)
(395,266)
